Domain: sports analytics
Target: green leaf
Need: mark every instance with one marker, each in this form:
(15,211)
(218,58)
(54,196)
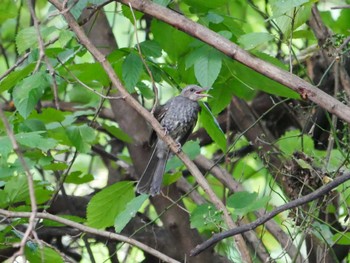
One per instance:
(49,115)
(222,96)
(15,77)
(117,132)
(131,71)
(28,37)
(250,79)
(146,91)
(104,207)
(16,189)
(7,10)
(127,13)
(27,94)
(56,166)
(36,140)
(207,67)
(6,146)
(130,211)
(81,137)
(151,48)
(77,177)
(41,255)
(88,73)
(174,42)
(253,40)
(212,127)
(342,238)
(297,12)
(191,148)
(47,222)
(162,2)
(206,217)
(206,4)
(279,7)
(245,202)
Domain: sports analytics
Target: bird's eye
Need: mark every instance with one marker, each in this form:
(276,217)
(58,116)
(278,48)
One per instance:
(192,89)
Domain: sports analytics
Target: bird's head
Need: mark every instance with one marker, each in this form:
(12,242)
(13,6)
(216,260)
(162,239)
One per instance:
(194,92)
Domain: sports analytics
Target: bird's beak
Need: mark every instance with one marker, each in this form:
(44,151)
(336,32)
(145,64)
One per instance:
(200,93)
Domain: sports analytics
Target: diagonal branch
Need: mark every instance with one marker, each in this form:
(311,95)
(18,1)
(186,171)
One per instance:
(295,203)
(90,230)
(305,89)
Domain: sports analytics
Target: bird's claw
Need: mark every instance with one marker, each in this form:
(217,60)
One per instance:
(166,132)
(178,146)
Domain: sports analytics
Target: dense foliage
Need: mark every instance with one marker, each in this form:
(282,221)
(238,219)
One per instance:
(72,145)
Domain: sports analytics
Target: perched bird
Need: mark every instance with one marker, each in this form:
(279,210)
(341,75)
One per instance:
(178,117)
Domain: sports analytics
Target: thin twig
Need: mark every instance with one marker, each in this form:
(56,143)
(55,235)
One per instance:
(90,230)
(261,220)
(32,214)
(87,87)
(155,89)
(334,117)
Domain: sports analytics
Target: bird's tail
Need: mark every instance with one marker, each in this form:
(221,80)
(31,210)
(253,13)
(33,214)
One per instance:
(151,179)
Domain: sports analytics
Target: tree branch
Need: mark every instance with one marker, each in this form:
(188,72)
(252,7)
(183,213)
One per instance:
(305,89)
(295,203)
(90,230)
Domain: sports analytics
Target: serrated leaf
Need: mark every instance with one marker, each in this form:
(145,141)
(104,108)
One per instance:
(36,140)
(38,254)
(221,97)
(279,7)
(127,13)
(130,211)
(7,10)
(207,67)
(117,132)
(28,38)
(89,73)
(174,42)
(77,177)
(151,48)
(206,217)
(27,94)
(15,77)
(81,137)
(49,115)
(16,189)
(104,207)
(131,71)
(145,90)
(6,146)
(253,40)
(55,166)
(212,127)
(245,202)
(250,79)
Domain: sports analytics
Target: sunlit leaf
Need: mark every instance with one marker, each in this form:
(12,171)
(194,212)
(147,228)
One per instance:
(130,211)
(106,205)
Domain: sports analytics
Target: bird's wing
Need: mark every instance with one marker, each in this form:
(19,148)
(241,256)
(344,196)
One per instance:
(159,114)
(184,138)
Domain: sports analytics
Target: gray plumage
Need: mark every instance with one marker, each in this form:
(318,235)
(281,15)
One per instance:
(178,118)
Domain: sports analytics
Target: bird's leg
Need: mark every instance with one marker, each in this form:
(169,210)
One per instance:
(166,132)
(178,146)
